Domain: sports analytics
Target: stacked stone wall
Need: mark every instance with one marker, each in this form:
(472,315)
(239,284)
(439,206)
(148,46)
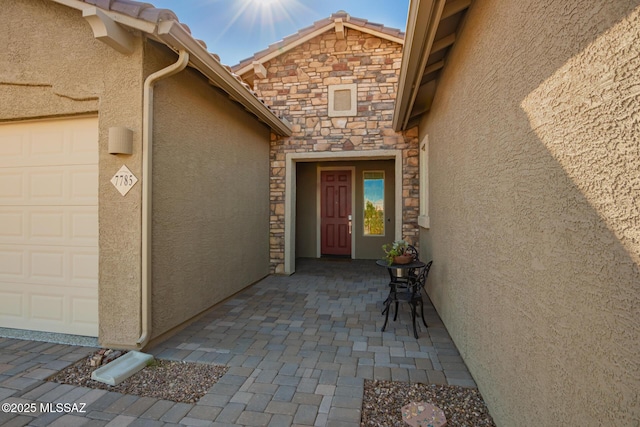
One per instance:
(297,87)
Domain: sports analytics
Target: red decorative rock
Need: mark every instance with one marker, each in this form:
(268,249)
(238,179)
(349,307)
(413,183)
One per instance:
(420,414)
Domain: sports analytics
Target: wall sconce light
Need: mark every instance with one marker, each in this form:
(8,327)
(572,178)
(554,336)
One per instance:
(120,140)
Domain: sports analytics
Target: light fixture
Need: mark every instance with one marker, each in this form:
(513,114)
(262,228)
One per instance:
(120,140)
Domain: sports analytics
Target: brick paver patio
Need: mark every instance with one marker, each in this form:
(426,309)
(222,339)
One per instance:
(299,349)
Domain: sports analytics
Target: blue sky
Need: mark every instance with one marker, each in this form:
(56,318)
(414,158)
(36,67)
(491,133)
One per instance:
(374,190)
(236,29)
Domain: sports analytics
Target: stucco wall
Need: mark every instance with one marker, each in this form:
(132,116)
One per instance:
(366,247)
(534,169)
(51,65)
(210,197)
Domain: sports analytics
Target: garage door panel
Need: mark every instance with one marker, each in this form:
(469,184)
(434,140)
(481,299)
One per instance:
(83,145)
(44,225)
(46,144)
(12,264)
(83,310)
(11,224)
(46,186)
(84,267)
(84,226)
(83,184)
(68,185)
(60,142)
(48,309)
(11,305)
(73,267)
(47,266)
(12,147)
(49,226)
(11,187)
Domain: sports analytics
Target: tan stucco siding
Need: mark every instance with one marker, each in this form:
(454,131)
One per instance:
(51,65)
(534,173)
(210,199)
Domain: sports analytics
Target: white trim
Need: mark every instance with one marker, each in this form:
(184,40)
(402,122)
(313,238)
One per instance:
(174,35)
(351,169)
(423,218)
(373,32)
(384,202)
(353,93)
(422,24)
(290,191)
(106,30)
(285,47)
(120,18)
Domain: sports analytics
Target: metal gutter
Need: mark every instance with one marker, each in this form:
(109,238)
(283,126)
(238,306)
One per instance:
(173,34)
(147,180)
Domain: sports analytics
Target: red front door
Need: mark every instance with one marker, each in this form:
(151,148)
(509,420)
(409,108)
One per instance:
(335,217)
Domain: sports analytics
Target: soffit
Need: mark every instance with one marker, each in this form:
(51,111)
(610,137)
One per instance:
(432,29)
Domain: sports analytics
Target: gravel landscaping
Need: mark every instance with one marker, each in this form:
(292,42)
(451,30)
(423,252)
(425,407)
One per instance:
(383,401)
(177,381)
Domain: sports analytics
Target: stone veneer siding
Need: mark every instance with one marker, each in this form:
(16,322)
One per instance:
(296,87)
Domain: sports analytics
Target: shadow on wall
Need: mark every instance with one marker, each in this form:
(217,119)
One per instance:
(588,118)
(534,206)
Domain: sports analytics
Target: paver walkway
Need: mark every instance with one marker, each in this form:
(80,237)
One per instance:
(299,349)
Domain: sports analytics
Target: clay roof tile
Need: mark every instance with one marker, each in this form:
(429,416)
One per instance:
(341,14)
(135,9)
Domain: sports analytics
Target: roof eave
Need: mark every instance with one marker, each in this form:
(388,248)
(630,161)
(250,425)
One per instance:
(174,35)
(422,23)
(285,47)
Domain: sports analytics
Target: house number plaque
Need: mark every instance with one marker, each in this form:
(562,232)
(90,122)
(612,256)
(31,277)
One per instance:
(123,180)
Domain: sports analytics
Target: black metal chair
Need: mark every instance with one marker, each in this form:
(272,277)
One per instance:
(407,289)
(411,250)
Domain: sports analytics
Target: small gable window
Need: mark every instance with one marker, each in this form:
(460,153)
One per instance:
(343,100)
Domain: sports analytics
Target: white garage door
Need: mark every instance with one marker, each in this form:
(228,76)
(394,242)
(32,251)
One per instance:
(49,226)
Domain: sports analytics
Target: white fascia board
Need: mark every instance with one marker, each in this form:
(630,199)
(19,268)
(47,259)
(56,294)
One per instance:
(285,48)
(247,68)
(108,31)
(422,23)
(120,18)
(174,35)
(373,32)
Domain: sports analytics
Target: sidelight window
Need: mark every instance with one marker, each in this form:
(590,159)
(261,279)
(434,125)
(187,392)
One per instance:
(374,203)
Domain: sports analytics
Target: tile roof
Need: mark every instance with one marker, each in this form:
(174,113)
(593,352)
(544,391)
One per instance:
(135,9)
(144,11)
(360,23)
(149,13)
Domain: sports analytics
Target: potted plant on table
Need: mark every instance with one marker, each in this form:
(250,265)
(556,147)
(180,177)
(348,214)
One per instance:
(397,252)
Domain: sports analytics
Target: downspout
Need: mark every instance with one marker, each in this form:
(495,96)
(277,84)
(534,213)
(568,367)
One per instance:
(147,144)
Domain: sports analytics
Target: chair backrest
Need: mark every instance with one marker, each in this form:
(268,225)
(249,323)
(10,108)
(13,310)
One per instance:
(411,250)
(421,280)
